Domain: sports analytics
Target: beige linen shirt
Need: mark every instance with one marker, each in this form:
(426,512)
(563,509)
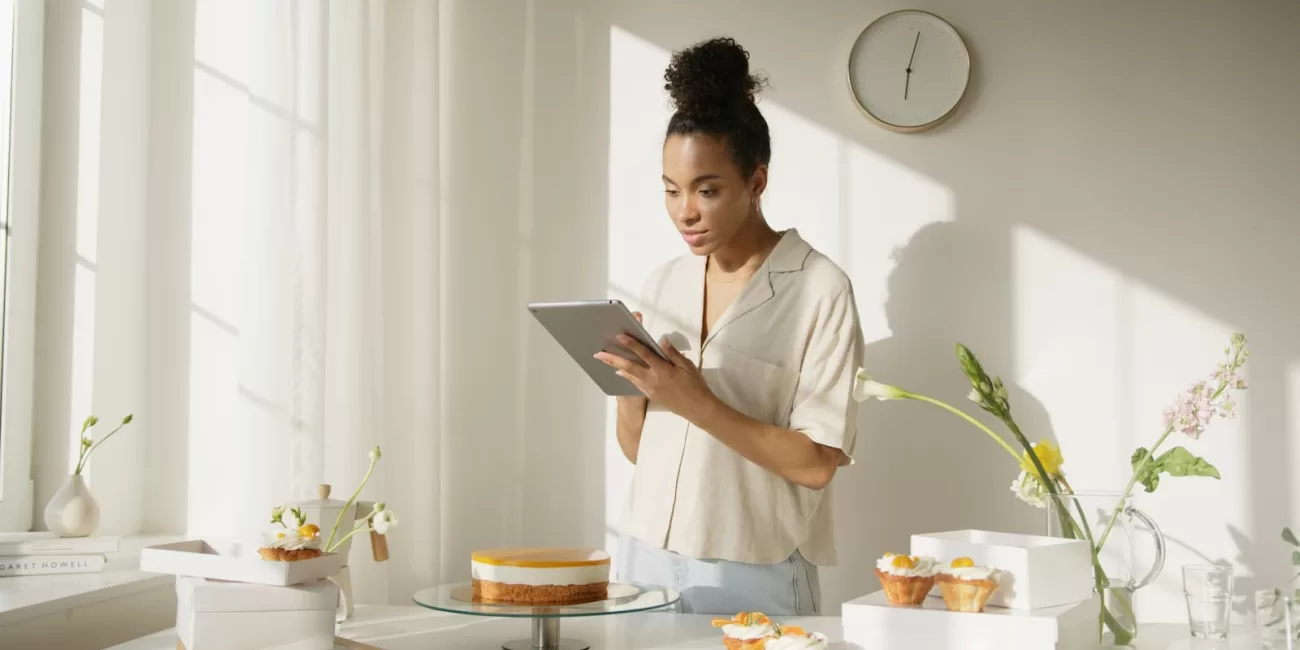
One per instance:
(785,352)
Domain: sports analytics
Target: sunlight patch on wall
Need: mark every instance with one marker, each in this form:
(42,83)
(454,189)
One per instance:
(1106,355)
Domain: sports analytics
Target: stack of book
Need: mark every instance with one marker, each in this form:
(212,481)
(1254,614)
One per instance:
(33,554)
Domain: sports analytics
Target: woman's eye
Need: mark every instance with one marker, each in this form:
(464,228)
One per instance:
(670,192)
(708,192)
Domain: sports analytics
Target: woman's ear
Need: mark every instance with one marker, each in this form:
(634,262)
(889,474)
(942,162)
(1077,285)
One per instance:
(758,183)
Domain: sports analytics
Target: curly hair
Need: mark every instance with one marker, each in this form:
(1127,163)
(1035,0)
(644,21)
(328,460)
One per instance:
(713,93)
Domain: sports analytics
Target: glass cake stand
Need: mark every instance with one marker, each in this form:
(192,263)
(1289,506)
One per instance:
(623,599)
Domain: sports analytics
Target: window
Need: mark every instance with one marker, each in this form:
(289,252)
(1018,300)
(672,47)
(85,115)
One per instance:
(21,42)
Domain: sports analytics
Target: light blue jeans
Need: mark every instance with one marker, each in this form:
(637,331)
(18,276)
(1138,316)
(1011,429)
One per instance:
(721,587)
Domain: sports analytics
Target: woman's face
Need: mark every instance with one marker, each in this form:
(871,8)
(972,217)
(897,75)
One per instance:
(706,196)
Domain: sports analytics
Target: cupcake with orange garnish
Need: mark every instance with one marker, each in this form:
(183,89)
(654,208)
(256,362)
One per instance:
(793,637)
(746,631)
(291,545)
(966,587)
(907,579)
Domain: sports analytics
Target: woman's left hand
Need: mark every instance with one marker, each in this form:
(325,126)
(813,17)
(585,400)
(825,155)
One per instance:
(677,383)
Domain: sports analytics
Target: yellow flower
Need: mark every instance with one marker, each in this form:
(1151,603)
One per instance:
(1049,455)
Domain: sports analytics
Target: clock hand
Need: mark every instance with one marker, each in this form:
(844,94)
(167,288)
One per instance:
(907,84)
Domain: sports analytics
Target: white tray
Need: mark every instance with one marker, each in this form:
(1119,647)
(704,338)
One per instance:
(228,560)
(871,623)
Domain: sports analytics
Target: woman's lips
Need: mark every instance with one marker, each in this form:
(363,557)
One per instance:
(695,238)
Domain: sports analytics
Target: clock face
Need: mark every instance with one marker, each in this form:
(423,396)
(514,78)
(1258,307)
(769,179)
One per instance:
(909,69)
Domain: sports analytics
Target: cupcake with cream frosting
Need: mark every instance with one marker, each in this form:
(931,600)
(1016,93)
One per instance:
(907,579)
(966,587)
(746,631)
(304,543)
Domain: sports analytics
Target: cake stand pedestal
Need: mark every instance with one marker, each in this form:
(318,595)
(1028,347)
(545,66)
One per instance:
(622,598)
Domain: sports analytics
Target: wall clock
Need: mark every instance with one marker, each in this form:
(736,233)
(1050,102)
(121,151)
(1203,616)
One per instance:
(908,70)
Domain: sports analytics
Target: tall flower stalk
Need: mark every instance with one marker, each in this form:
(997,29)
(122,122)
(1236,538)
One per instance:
(88,443)
(1042,479)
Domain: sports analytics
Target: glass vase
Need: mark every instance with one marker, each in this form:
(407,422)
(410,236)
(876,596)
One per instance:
(1115,530)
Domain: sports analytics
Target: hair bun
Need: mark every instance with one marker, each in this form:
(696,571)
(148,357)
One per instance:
(711,77)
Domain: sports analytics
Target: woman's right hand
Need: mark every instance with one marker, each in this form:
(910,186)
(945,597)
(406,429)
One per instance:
(637,402)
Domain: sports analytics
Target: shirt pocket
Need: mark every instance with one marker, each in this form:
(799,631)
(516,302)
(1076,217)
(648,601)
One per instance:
(760,389)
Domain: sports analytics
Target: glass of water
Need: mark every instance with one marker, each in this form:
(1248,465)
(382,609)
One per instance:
(1208,589)
(1277,619)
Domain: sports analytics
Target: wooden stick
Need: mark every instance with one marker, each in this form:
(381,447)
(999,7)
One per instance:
(378,546)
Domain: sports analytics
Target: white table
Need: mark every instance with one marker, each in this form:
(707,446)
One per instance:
(417,628)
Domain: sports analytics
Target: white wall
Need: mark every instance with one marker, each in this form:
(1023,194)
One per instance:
(1117,195)
(1071,224)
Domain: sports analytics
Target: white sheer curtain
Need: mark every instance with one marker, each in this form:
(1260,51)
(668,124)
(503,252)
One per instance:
(283,232)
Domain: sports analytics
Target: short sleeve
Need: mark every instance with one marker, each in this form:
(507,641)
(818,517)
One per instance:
(823,407)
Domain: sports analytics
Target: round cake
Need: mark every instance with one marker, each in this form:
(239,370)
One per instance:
(540,576)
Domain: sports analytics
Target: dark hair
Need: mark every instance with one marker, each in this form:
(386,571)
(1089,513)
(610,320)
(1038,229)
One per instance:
(713,92)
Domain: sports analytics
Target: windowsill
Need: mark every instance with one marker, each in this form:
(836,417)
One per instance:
(25,597)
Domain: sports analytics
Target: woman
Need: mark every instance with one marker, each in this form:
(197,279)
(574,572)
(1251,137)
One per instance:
(743,427)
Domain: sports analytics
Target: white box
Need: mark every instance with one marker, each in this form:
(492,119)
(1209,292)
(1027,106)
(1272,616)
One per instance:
(228,560)
(219,615)
(1037,571)
(871,623)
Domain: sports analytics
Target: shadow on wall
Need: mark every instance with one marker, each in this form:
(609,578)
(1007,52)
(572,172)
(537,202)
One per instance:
(919,468)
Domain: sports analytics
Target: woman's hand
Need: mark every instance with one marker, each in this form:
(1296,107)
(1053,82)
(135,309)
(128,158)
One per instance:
(633,403)
(677,383)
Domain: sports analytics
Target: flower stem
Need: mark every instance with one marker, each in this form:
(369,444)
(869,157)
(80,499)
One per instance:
(962,414)
(1137,472)
(364,525)
(85,456)
(347,506)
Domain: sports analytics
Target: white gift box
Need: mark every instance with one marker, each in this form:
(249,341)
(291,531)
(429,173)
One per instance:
(871,623)
(1037,571)
(219,615)
(234,560)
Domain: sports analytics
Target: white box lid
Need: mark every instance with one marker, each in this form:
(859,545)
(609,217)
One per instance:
(872,615)
(205,595)
(235,561)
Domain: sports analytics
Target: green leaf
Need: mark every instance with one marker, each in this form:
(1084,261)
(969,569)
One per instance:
(1180,462)
(1175,462)
(1148,476)
(1289,537)
(1295,558)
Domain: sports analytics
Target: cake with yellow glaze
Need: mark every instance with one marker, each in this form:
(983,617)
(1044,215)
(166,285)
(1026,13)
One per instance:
(540,576)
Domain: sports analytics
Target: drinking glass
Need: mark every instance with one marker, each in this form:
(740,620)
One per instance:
(1208,589)
(1277,618)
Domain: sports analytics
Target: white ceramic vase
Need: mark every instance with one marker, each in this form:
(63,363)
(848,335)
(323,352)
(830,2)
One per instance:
(73,512)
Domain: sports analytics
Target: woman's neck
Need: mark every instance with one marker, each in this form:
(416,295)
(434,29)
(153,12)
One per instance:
(750,246)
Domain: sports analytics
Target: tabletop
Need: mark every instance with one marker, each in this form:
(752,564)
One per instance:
(417,628)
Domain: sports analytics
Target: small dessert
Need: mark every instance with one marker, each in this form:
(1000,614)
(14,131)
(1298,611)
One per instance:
(540,576)
(746,631)
(291,546)
(966,587)
(793,637)
(907,579)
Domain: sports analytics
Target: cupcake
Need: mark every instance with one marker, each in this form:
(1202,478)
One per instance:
(966,587)
(907,579)
(746,631)
(293,545)
(791,637)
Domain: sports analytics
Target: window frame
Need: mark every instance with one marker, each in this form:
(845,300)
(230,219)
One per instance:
(17,507)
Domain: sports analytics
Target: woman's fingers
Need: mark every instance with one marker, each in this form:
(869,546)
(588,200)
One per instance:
(650,358)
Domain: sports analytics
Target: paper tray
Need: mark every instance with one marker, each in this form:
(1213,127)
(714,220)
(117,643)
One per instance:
(224,560)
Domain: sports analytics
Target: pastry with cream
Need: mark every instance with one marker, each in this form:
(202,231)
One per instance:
(966,587)
(746,631)
(907,579)
(793,637)
(292,545)
(540,576)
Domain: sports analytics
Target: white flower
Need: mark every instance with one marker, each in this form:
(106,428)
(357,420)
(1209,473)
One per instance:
(383,519)
(864,388)
(1027,488)
(974,396)
(374,454)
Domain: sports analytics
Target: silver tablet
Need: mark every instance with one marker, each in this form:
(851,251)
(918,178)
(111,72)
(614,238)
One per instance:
(586,327)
